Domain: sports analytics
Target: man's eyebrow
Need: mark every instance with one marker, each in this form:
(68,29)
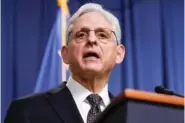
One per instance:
(82,28)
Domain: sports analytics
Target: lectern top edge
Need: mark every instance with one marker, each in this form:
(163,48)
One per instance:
(152,97)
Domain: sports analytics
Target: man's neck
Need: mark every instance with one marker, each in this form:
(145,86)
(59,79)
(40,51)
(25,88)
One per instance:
(94,84)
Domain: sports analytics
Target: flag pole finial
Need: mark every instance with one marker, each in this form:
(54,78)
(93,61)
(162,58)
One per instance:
(63,5)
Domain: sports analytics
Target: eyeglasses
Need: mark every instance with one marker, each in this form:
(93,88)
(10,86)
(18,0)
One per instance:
(103,35)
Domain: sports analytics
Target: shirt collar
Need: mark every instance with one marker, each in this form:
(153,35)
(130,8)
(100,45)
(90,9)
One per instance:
(80,93)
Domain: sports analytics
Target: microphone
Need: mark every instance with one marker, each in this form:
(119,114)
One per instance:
(162,90)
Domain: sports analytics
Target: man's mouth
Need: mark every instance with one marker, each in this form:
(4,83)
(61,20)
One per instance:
(91,54)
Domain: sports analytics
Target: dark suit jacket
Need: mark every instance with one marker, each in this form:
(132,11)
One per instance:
(54,106)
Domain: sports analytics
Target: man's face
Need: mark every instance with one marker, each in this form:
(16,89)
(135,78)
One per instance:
(89,50)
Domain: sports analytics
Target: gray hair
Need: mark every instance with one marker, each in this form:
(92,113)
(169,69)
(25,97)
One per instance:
(93,7)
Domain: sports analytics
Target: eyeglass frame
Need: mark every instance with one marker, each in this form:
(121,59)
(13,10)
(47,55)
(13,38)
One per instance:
(94,30)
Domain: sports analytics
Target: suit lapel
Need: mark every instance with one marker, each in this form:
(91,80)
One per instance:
(64,105)
(111,96)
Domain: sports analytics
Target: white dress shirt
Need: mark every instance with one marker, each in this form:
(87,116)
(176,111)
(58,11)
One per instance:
(80,94)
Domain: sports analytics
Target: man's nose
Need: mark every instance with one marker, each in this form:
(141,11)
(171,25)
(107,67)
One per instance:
(92,36)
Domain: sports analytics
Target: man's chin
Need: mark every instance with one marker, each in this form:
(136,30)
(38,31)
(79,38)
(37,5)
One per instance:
(92,69)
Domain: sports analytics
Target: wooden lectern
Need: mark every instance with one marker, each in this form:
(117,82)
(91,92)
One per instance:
(134,106)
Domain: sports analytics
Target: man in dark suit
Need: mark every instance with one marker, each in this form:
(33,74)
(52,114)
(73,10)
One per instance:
(93,48)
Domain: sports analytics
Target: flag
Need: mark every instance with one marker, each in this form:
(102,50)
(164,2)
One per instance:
(53,71)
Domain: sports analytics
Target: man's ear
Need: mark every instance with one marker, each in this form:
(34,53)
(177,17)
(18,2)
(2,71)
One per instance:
(120,54)
(64,53)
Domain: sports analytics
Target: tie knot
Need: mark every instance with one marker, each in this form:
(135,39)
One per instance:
(94,99)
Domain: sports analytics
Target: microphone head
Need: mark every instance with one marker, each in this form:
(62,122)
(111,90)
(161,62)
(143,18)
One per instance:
(162,90)
(159,89)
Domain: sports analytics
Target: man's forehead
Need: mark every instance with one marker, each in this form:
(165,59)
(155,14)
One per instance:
(92,20)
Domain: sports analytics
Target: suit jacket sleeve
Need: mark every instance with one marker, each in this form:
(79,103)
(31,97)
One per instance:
(17,113)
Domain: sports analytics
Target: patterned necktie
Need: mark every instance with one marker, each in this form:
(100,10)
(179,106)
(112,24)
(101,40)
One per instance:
(94,100)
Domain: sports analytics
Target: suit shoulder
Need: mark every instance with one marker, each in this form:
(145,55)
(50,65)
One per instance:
(22,108)
(37,97)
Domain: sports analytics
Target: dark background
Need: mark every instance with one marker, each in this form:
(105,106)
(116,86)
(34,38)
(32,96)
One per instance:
(152,32)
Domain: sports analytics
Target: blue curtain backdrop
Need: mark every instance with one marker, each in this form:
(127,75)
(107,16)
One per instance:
(152,34)
(49,75)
